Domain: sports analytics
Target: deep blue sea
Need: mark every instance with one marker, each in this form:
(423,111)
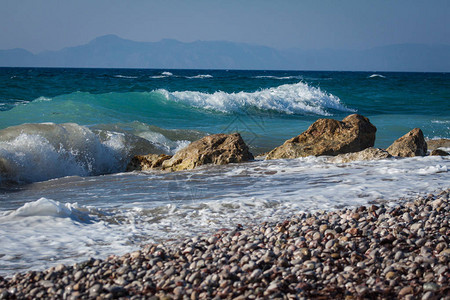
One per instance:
(66,136)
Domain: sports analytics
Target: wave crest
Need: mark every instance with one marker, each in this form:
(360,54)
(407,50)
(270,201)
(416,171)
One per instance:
(299,98)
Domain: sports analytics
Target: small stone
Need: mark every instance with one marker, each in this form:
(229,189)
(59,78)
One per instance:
(428,296)
(4,294)
(78,275)
(309,265)
(399,255)
(330,244)
(335,255)
(60,268)
(322,228)
(430,286)
(95,290)
(362,289)
(405,291)
(46,283)
(390,275)
(135,255)
(117,291)
(416,226)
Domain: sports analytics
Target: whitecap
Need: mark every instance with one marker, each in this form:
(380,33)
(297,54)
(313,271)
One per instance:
(162,75)
(201,76)
(376,76)
(298,98)
(124,76)
(278,77)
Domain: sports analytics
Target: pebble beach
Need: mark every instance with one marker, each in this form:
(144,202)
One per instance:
(367,252)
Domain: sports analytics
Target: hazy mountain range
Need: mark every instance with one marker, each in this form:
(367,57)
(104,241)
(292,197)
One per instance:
(111,51)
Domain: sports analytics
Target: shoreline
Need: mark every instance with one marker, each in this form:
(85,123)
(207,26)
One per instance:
(369,252)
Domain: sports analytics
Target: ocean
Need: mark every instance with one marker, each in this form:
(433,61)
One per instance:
(66,136)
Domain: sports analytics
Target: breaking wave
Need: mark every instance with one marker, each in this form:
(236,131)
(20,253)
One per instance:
(299,98)
(38,152)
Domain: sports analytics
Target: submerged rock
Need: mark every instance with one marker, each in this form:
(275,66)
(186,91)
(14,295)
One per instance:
(366,154)
(219,149)
(147,162)
(411,144)
(329,137)
(439,152)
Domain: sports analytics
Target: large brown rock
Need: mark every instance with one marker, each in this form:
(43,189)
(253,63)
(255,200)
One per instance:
(366,154)
(411,144)
(329,137)
(147,162)
(219,149)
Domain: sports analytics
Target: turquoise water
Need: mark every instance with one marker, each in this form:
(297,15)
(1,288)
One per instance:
(66,136)
(267,106)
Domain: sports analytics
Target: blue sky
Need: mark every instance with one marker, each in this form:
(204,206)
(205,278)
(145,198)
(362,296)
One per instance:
(38,25)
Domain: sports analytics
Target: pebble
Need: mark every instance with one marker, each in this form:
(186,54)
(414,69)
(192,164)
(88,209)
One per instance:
(375,252)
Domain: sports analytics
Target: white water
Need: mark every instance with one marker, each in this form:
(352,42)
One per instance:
(37,152)
(299,98)
(71,219)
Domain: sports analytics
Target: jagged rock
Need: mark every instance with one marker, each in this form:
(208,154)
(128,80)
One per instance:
(329,137)
(147,162)
(366,154)
(411,144)
(439,143)
(219,149)
(439,152)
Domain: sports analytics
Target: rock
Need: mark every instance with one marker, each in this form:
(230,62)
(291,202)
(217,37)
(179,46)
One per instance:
(219,149)
(95,290)
(405,291)
(329,137)
(147,162)
(439,143)
(439,152)
(411,144)
(366,154)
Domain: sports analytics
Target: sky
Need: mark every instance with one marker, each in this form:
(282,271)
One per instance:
(39,25)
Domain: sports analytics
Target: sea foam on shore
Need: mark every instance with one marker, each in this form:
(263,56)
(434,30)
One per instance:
(371,251)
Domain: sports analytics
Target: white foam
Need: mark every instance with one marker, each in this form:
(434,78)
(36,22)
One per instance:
(135,208)
(45,151)
(50,208)
(162,142)
(45,233)
(162,75)
(299,98)
(377,76)
(278,77)
(43,99)
(126,77)
(201,76)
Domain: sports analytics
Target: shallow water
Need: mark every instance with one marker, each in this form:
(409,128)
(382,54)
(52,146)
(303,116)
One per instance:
(74,218)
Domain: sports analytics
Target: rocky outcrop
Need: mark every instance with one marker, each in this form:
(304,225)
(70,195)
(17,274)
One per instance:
(329,137)
(219,149)
(438,143)
(147,162)
(411,144)
(439,152)
(366,154)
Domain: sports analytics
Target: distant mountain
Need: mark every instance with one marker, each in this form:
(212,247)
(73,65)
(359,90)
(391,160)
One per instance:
(111,51)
